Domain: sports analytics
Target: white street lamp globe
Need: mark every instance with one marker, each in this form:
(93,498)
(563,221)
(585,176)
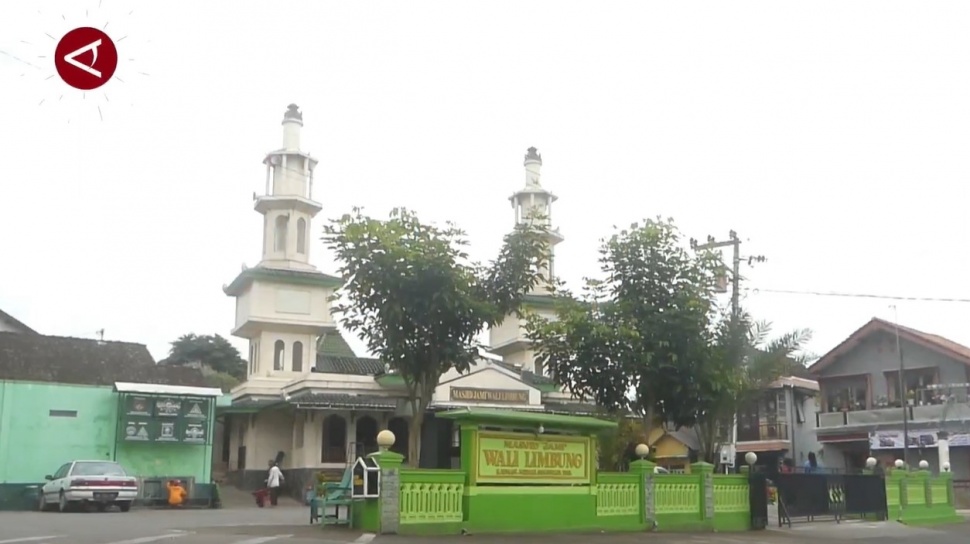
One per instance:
(642,450)
(899,463)
(751,458)
(946,466)
(871,462)
(385,439)
(924,464)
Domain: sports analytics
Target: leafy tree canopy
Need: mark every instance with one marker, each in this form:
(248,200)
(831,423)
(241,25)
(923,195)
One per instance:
(636,337)
(213,351)
(743,361)
(416,300)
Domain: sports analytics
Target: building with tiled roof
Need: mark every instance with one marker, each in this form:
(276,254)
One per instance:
(308,396)
(9,323)
(886,374)
(32,357)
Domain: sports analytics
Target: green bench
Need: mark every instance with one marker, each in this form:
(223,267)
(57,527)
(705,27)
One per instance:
(333,495)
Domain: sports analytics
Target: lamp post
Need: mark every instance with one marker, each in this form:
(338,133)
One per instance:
(902,388)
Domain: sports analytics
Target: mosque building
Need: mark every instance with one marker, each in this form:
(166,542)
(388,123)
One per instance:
(309,400)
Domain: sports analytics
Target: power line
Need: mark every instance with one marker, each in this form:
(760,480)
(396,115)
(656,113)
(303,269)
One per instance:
(857,295)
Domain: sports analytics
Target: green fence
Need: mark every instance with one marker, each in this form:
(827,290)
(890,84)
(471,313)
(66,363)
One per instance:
(442,502)
(432,497)
(919,498)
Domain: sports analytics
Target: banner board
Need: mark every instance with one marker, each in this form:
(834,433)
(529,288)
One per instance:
(532,459)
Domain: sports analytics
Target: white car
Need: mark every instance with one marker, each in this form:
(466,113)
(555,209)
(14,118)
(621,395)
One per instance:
(101,483)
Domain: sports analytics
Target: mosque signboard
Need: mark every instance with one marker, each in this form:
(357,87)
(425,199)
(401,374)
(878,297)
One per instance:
(493,396)
(519,458)
(164,419)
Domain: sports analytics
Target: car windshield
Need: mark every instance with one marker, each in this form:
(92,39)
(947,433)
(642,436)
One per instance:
(96,468)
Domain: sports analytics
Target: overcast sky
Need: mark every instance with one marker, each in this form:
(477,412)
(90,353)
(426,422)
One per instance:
(832,136)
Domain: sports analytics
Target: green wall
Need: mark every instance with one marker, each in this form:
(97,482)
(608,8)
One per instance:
(33,442)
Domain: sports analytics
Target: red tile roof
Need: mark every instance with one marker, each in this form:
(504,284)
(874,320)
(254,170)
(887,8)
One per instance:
(934,342)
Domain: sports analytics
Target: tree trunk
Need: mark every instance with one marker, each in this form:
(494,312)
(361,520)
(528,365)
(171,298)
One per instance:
(648,425)
(414,433)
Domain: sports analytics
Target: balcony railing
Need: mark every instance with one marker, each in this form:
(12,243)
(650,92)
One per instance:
(935,413)
(764,431)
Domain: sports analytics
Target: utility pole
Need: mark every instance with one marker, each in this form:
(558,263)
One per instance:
(735,244)
(903,401)
(736,259)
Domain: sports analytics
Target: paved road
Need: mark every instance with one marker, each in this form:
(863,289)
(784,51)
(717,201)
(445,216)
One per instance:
(227,526)
(290,526)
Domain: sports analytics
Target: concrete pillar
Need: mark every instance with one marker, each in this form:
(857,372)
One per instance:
(649,510)
(389,501)
(705,471)
(943,447)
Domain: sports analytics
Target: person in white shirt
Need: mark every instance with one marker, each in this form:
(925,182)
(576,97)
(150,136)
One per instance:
(274,480)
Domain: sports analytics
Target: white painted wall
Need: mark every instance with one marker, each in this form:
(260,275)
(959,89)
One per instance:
(269,432)
(509,330)
(282,304)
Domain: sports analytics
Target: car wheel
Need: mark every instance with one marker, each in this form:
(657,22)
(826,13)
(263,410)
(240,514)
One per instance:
(42,505)
(62,504)
(124,506)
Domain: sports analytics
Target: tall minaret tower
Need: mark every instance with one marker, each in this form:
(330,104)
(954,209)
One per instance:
(282,304)
(535,203)
(287,205)
(531,203)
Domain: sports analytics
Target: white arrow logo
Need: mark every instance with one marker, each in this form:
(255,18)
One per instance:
(71,58)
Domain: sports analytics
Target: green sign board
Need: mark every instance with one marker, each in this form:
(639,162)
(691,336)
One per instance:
(520,458)
(161,419)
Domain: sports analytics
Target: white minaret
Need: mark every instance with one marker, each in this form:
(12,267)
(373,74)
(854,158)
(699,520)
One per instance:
(533,202)
(287,205)
(282,304)
(509,338)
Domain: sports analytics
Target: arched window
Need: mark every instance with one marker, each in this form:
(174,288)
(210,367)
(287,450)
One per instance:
(301,236)
(333,447)
(282,223)
(366,436)
(278,348)
(297,357)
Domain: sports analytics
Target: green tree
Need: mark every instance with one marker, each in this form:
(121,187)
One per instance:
(743,361)
(633,340)
(212,351)
(614,446)
(416,300)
